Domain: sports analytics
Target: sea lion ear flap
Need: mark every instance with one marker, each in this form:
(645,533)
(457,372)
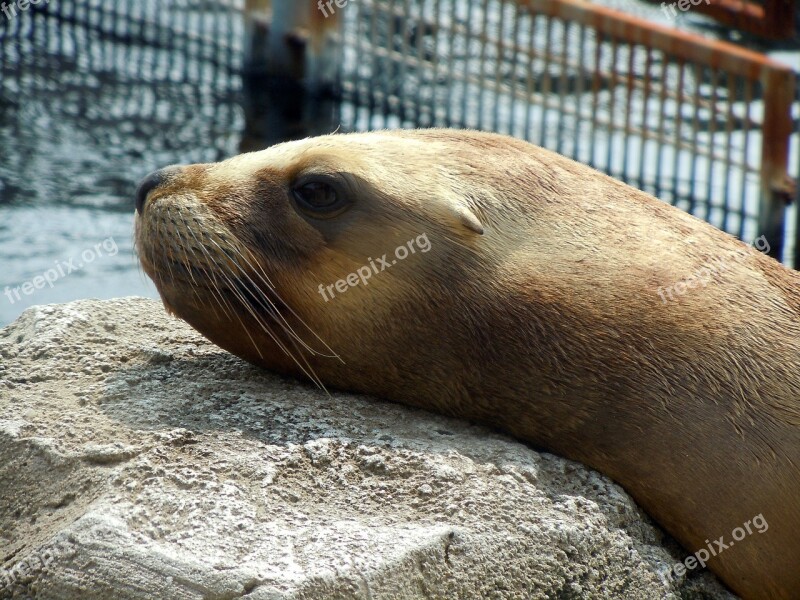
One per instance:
(468,218)
(455,210)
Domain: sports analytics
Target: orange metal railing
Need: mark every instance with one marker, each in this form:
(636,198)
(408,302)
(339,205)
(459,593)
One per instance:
(777,82)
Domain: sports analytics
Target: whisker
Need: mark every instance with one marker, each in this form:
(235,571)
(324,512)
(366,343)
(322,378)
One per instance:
(265,327)
(261,297)
(217,291)
(188,266)
(259,272)
(220,269)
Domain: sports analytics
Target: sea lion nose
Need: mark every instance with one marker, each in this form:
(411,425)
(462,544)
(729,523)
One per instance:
(149,183)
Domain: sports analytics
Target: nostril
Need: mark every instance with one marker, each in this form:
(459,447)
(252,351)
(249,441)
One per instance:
(148,184)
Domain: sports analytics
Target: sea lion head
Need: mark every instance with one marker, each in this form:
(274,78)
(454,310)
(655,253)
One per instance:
(293,257)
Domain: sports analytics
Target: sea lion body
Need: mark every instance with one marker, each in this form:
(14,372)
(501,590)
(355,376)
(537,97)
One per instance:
(539,308)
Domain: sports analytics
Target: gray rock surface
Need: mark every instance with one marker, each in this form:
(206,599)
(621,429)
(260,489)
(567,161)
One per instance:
(137,460)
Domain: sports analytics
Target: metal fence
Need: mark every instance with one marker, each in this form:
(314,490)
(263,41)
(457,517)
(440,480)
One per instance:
(136,77)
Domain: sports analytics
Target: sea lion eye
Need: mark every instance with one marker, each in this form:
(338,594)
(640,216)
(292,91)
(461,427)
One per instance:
(319,198)
(316,195)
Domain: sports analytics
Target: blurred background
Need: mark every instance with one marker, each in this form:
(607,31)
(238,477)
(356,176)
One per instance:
(694,101)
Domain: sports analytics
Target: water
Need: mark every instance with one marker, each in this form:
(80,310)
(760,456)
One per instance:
(86,111)
(82,118)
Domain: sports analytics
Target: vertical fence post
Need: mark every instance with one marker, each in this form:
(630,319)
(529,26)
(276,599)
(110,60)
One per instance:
(290,64)
(777,189)
(292,39)
(257,15)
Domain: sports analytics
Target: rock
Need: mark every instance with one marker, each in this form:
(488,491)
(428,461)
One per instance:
(137,460)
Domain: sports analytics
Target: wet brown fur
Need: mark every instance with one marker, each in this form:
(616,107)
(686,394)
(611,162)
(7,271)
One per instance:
(548,326)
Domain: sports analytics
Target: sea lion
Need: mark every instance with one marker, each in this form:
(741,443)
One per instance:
(538,307)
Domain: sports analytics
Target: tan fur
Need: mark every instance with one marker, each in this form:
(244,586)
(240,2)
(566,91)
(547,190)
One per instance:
(548,326)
